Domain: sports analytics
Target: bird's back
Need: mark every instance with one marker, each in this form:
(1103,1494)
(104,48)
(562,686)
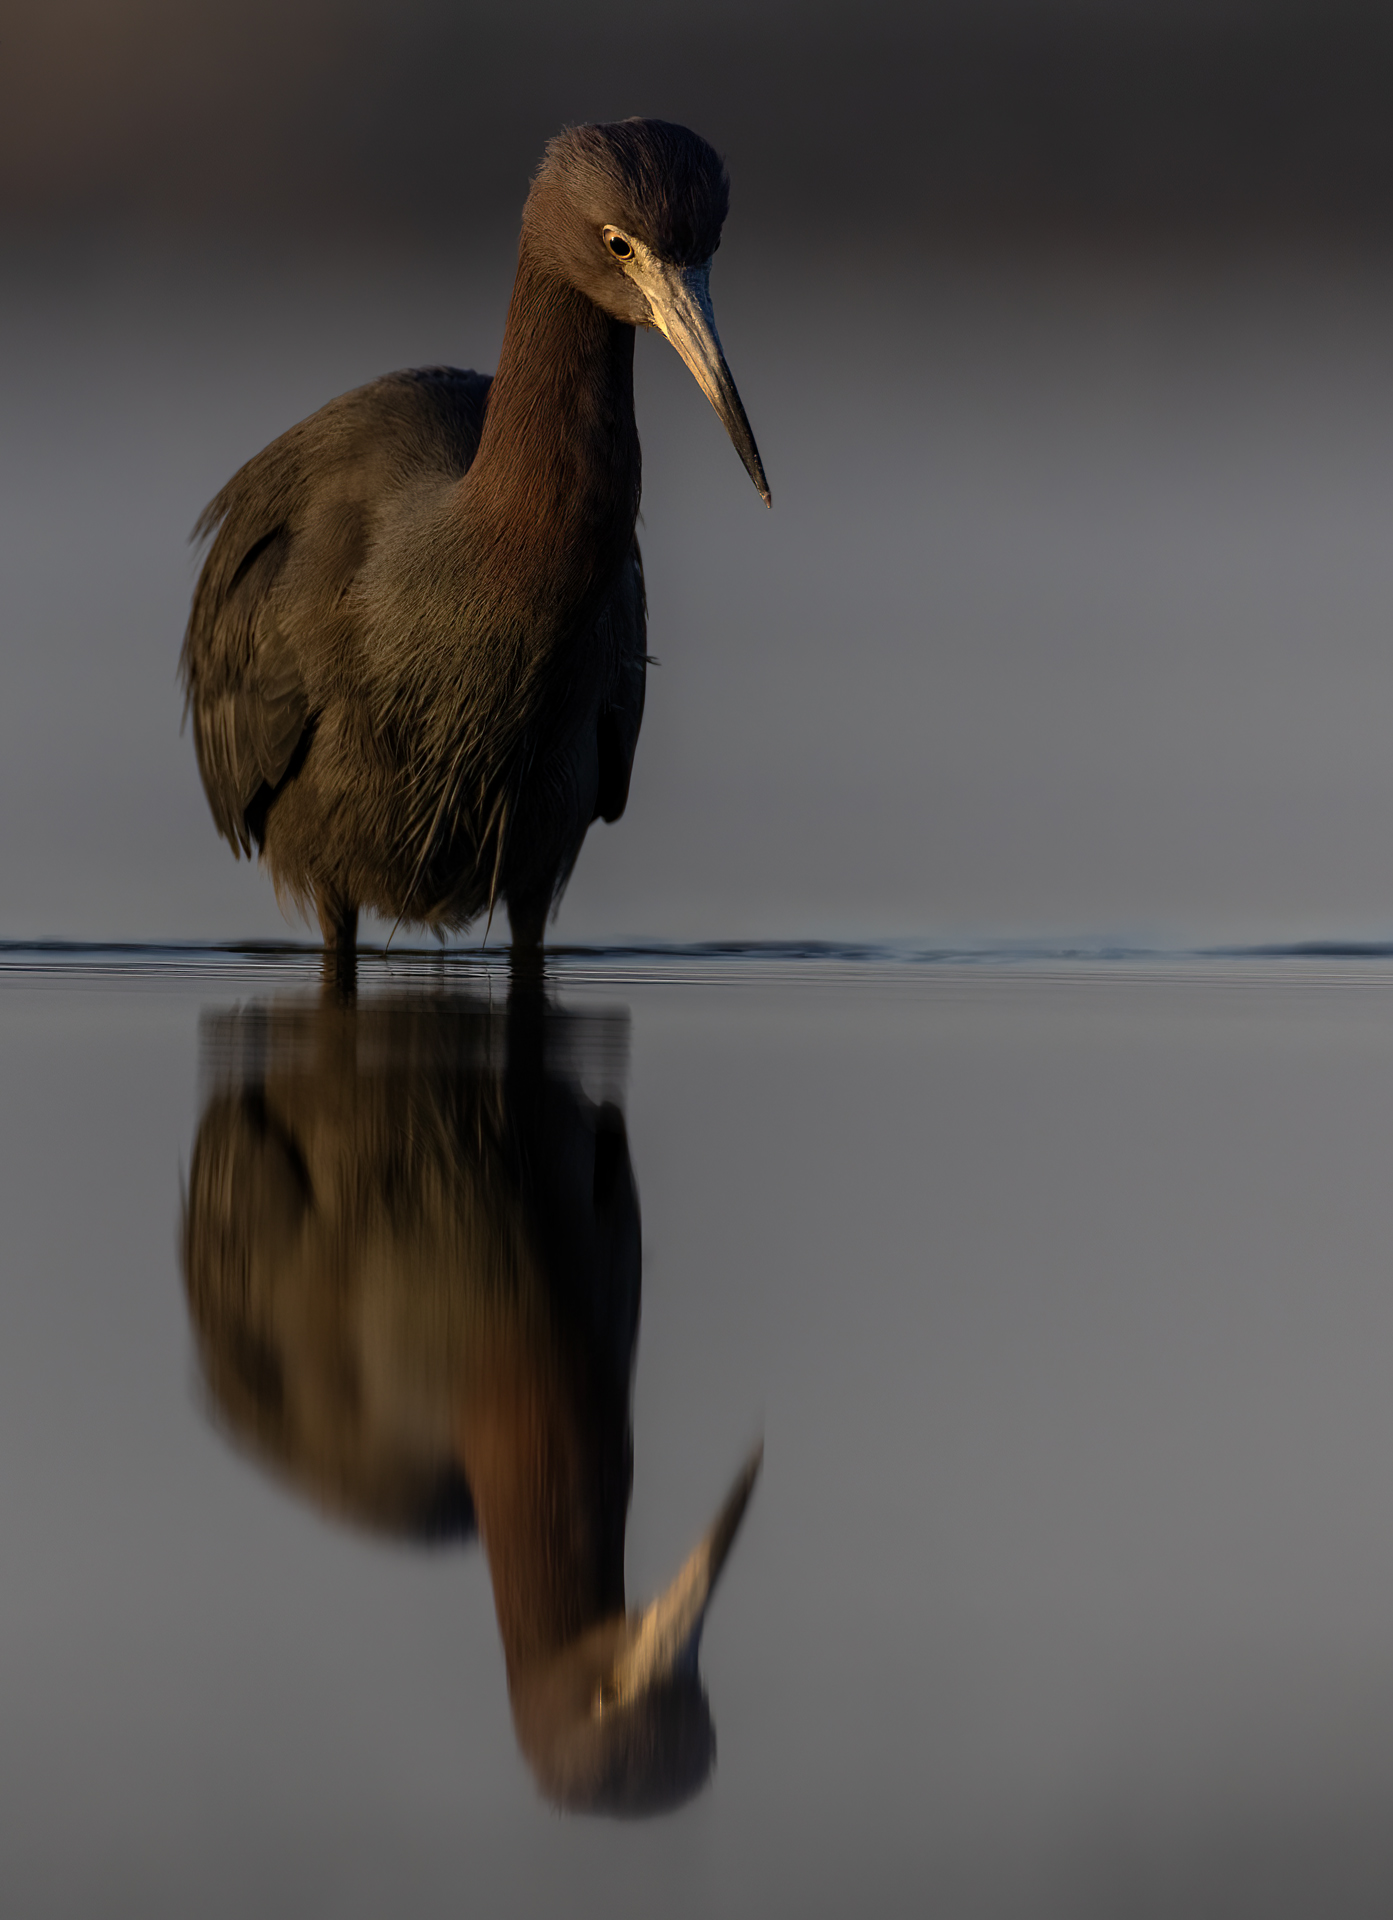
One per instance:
(331,668)
(289,532)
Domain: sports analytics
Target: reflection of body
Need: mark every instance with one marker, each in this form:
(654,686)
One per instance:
(411,1249)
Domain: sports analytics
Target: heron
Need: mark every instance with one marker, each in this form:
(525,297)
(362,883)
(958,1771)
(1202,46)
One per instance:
(415,658)
(412,1262)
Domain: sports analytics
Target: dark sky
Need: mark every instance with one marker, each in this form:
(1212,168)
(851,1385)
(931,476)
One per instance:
(998,119)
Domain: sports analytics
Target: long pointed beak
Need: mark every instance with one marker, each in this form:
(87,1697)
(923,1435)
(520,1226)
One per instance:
(680,300)
(663,1641)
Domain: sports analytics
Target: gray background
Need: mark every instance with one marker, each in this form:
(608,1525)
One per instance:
(1064,329)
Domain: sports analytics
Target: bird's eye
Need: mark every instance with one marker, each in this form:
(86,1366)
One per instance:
(618,245)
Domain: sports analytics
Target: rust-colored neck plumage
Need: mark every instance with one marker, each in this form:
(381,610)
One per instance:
(553,493)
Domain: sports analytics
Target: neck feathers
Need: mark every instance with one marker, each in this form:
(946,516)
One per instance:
(554,489)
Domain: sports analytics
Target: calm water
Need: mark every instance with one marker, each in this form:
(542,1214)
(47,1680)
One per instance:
(1059,1291)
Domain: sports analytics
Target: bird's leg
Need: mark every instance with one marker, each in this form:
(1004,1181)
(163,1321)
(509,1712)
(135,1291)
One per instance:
(338,922)
(527,972)
(528,918)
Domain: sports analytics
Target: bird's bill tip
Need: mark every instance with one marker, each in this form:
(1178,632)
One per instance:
(726,1525)
(680,299)
(662,1641)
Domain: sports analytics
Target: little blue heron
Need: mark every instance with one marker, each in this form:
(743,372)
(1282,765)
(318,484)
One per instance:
(416,653)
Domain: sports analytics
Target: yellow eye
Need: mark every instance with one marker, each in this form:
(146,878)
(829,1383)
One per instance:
(619,246)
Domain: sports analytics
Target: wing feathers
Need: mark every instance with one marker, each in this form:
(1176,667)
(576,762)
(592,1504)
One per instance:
(621,715)
(246,730)
(288,535)
(276,717)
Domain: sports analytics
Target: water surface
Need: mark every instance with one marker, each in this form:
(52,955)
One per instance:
(1057,1286)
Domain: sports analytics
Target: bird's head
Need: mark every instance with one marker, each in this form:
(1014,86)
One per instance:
(617,1720)
(631,214)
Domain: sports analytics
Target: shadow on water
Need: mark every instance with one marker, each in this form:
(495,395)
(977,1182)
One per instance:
(411,1254)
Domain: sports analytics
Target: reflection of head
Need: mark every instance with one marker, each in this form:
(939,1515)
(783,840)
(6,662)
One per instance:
(646,1756)
(411,1255)
(617,1720)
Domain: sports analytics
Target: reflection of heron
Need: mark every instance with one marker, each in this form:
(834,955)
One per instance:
(415,658)
(411,1252)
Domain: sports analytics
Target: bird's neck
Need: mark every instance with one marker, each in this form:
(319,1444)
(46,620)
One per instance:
(554,488)
(548,1499)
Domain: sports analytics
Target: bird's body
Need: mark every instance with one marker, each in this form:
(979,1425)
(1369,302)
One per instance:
(415,660)
(384,751)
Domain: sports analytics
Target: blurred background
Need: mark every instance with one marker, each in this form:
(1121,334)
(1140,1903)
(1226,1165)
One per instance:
(1066,330)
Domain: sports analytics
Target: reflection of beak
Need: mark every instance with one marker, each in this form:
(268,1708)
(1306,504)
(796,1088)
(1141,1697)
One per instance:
(662,1642)
(680,299)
